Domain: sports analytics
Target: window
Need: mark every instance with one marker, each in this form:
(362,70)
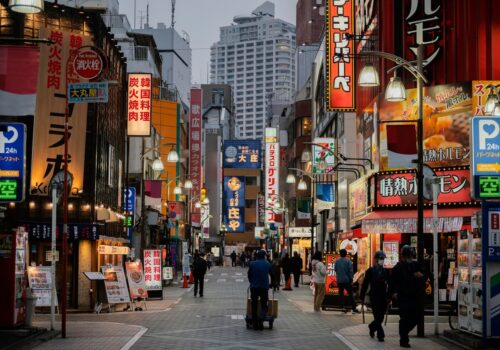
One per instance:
(251,181)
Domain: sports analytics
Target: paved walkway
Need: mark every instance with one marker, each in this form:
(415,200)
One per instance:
(216,321)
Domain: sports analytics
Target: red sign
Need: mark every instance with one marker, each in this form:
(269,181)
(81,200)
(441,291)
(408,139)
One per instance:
(195,124)
(139,105)
(175,210)
(494,221)
(400,188)
(88,64)
(339,64)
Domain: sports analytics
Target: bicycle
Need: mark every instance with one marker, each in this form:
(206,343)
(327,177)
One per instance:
(453,315)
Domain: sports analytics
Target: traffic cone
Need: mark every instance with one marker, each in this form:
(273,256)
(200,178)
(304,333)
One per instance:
(185,282)
(288,284)
(191,278)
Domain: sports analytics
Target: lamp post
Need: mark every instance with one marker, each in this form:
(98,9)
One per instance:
(396,92)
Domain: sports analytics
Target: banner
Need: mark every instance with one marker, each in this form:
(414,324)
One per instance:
(325,196)
(139,104)
(242,154)
(340,71)
(152,269)
(234,203)
(115,284)
(48,138)
(331,278)
(195,127)
(152,193)
(272,179)
(135,277)
(321,151)
(205,221)
(304,208)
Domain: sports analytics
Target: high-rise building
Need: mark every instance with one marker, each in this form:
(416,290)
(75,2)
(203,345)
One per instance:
(256,56)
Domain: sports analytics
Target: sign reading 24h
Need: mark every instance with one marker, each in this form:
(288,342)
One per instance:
(12,161)
(486,157)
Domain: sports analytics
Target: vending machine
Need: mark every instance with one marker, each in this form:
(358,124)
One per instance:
(14,280)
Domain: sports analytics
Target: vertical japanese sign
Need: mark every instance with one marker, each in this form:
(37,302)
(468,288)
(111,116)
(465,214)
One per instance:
(205,221)
(129,204)
(331,278)
(272,179)
(152,269)
(139,105)
(12,161)
(234,203)
(341,83)
(48,155)
(481,90)
(195,124)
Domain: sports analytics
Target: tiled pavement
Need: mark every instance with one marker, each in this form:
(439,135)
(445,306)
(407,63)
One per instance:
(216,322)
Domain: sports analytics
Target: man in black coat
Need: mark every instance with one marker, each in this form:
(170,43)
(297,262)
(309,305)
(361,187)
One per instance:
(199,271)
(296,268)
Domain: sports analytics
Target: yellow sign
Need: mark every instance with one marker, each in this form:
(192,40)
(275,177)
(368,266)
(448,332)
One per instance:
(488,167)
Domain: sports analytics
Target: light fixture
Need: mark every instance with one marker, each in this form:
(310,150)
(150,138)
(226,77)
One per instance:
(310,21)
(32,204)
(290,179)
(496,111)
(50,205)
(322,165)
(395,91)
(158,164)
(172,156)
(197,205)
(491,101)
(177,190)
(302,185)
(368,76)
(306,156)
(26,6)
(70,206)
(188,184)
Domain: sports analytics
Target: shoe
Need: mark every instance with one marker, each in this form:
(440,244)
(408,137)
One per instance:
(404,345)
(201,296)
(380,339)
(372,334)
(195,295)
(296,286)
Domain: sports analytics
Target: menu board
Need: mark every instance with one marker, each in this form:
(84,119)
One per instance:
(152,269)
(115,284)
(391,250)
(40,282)
(331,278)
(135,277)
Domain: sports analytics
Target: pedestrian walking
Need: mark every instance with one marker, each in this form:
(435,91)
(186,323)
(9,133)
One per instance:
(276,272)
(376,285)
(209,261)
(296,268)
(319,277)
(200,269)
(233,259)
(345,274)
(258,276)
(286,265)
(406,289)
(243,258)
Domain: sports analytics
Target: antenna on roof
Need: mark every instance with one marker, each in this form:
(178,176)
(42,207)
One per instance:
(147,15)
(172,24)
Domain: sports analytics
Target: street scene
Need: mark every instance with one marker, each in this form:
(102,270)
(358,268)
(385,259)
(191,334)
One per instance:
(219,174)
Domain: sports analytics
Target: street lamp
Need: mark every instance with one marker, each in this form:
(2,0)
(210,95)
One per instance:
(177,190)
(290,179)
(302,185)
(26,6)
(368,76)
(158,164)
(197,205)
(306,156)
(172,156)
(395,91)
(188,184)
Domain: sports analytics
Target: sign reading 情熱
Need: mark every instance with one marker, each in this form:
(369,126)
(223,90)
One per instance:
(139,104)
(340,72)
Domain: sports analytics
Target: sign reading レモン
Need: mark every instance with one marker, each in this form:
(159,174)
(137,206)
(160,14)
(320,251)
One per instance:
(340,71)
(139,105)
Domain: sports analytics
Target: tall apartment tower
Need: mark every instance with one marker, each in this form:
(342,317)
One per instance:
(256,56)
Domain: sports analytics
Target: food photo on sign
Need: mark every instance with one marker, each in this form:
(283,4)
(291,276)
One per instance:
(135,277)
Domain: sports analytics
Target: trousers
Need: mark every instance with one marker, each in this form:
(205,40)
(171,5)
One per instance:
(259,294)
(408,319)
(348,288)
(296,278)
(379,309)
(319,295)
(199,281)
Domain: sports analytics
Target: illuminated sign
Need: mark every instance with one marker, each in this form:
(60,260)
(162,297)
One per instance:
(152,269)
(272,180)
(234,203)
(322,151)
(195,129)
(129,194)
(88,92)
(339,64)
(12,161)
(139,105)
(487,187)
(88,64)
(242,154)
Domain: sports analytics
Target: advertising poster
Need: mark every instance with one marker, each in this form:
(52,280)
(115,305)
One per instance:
(391,250)
(358,198)
(135,277)
(272,178)
(195,130)
(304,208)
(481,89)
(325,196)
(331,279)
(242,154)
(40,281)
(234,203)
(322,151)
(115,284)
(152,269)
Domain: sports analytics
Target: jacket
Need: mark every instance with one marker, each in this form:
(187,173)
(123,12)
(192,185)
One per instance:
(258,274)
(200,267)
(343,270)
(319,271)
(286,265)
(406,284)
(296,264)
(377,278)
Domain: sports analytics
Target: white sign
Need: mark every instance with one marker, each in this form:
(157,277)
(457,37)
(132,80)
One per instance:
(40,281)
(152,269)
(322,150)
(205,219)
(272,179)
(115,284)
(139,105)
(113,250)
(168,273)
(300,232)
(259,233)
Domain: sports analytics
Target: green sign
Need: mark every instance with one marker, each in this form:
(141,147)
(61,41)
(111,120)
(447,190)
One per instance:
(8,190)
(489,186)
(130,221)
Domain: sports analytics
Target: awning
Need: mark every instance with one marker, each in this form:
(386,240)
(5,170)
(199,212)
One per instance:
(405,221)
(355,233)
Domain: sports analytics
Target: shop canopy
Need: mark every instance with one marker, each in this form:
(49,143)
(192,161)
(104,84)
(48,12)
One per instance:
(405,221)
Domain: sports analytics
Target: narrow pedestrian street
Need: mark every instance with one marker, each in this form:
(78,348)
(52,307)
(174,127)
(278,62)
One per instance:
(216,321)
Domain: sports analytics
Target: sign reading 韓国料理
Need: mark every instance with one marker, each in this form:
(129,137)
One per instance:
(152,269)
(139,104)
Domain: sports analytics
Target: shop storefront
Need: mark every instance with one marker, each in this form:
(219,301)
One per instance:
(301,243)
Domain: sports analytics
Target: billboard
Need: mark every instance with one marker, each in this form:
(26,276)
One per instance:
(12,161)
(358,199)
(340,72)
(242,154)
(195,125)
(272,179)
(234,204)
(325,196)
(322,151)
(139,104)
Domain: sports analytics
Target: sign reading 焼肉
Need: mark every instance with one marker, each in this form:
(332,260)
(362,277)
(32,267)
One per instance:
(340,23)
(152,269)
(12,161)
(139,104)
(234,203)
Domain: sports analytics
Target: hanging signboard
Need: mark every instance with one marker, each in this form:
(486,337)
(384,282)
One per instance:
(260,233)
(234,203)
(115,284)
(242,154)
(88,63)
(391,250)
(40,281)
(322,151)
(325,196)
(129,195)
(139,104)
(195,131)
(331,278)
(340,71)
(88,92)
(272,179)
(358,198)
(152,269)
(135,277)
(12,161)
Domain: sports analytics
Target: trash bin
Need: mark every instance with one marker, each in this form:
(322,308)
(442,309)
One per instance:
(30,307)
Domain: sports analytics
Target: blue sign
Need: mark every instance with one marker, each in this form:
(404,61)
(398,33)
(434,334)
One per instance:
(325,194)
(12,161)
(129,195)
(234,203)
(485,156)
(88,92)
(242,154)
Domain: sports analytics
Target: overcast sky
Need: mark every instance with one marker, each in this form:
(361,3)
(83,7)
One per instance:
(201,19)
